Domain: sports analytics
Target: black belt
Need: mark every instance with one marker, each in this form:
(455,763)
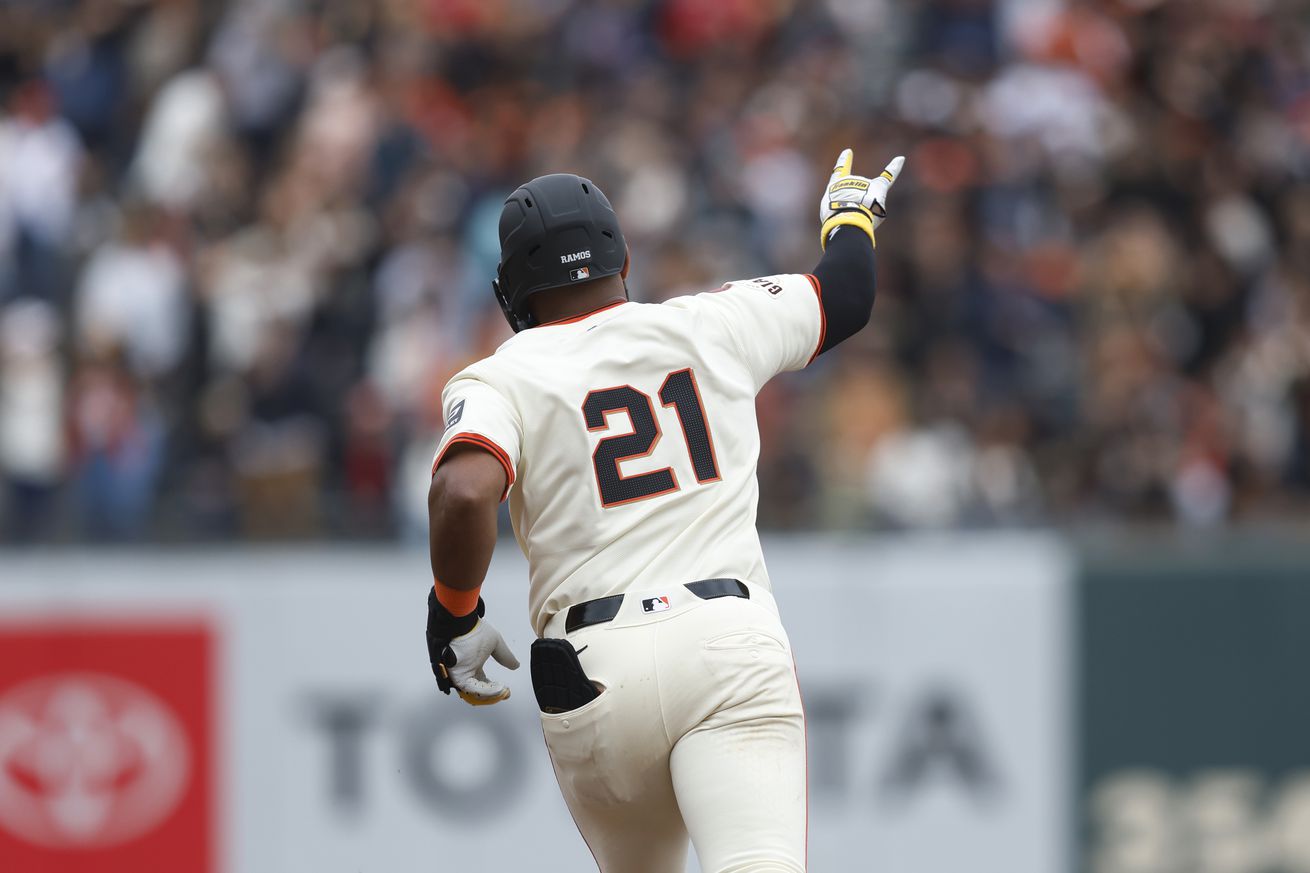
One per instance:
(604,609)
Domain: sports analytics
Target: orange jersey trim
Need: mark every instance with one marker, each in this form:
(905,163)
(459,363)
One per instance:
(487,445)
(823,318)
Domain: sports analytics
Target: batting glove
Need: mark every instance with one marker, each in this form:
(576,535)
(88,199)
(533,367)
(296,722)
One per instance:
(855,200)
(458,648)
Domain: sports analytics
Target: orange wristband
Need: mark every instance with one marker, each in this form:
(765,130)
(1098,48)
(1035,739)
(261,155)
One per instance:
(460,603)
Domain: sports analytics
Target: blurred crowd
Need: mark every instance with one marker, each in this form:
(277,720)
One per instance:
(244,244)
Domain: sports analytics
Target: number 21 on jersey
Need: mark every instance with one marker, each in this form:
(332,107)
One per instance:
(679,391)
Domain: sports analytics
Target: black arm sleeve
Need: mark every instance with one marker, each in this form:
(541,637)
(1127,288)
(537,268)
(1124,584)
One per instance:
(846,284)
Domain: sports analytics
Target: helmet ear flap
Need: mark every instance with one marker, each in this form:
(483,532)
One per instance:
(516,321)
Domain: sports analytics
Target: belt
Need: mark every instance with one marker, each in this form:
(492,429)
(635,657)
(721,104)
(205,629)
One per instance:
(604,609)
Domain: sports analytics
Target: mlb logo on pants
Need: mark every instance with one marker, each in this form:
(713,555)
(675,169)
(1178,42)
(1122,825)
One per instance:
(655,604)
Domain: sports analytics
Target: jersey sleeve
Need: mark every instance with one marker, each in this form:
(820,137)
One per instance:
(776,322)
(479,415)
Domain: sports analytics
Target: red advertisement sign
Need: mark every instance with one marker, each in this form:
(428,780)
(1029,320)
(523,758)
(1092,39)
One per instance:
(106,748)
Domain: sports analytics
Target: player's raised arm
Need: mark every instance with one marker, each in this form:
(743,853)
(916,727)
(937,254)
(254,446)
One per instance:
(783,322)
(851,209)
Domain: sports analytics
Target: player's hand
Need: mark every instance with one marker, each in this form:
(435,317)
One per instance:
(464,661)
(855,200)
(458,648)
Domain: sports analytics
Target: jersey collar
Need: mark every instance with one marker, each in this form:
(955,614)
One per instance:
(575,318)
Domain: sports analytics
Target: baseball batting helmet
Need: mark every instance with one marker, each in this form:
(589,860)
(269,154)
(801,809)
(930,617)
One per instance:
(556,230)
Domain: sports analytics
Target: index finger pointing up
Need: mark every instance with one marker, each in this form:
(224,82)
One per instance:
(894,168)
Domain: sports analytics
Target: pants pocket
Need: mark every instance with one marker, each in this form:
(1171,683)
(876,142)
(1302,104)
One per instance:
(746,638)
(752,668)
(580,749)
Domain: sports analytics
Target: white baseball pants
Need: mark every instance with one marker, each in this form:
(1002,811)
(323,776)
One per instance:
(698,732)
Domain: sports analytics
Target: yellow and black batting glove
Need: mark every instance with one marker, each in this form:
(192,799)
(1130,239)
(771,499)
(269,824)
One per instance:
(855,200)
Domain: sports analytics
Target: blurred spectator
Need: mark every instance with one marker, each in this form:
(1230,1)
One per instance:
(32,451)
(178,139)
(40,158)
(117,445)
(267,230)
(132,296)
(279,453)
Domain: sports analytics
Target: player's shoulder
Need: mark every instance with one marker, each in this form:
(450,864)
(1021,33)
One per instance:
(514,361)
(490,371)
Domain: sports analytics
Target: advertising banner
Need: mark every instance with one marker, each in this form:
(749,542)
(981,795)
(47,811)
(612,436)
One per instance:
(105,739)
(1195,716)
(935,676)
(273,712)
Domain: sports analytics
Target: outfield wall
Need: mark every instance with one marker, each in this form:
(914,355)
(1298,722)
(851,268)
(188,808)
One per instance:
(981,703)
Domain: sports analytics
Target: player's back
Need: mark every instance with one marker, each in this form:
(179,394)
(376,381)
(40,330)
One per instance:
(630,439)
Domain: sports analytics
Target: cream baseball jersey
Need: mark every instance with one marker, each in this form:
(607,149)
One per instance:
(629,439)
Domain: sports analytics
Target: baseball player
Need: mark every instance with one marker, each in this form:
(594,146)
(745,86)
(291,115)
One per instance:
(624,436)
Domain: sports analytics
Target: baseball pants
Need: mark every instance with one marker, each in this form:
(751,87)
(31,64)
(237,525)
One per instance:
(698,732)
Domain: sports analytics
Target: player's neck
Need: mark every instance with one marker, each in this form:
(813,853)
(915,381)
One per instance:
(559,304)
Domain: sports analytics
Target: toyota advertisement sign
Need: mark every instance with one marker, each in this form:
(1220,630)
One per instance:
(273,712)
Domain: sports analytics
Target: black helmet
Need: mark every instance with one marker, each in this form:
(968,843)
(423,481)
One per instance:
(556,230)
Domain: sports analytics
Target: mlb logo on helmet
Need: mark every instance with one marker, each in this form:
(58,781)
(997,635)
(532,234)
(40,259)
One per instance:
(655,604)
(105,761)
(580,273)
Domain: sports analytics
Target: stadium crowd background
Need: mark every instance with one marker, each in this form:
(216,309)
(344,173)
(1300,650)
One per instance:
(243,245)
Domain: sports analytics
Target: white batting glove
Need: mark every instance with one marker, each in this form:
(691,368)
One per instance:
(855,200)
(468,674)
